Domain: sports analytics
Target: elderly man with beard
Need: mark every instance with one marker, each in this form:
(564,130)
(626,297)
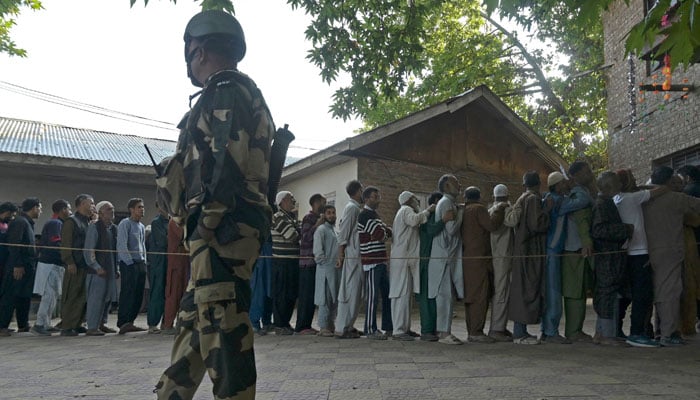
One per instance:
(404,268)
(101,257)
(18,282)
(325,249)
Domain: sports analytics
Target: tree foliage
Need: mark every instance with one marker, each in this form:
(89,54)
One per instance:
(675,24)
(9,10)
(453,47)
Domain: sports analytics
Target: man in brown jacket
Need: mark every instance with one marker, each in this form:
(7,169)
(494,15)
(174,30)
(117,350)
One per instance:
(477,226)
(663,220)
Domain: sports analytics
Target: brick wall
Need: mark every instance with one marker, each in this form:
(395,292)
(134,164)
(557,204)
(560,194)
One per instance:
(667,128)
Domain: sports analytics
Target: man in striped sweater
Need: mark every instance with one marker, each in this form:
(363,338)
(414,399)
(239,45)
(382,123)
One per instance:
(373,235)
(285,262)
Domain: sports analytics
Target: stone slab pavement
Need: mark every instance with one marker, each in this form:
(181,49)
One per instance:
(119,367)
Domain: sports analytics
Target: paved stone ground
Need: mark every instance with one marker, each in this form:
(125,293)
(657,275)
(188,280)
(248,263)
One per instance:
(302,367)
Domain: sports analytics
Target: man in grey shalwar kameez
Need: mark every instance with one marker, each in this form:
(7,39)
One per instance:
(327,274)
(351,276)
(445,266)
(404,276)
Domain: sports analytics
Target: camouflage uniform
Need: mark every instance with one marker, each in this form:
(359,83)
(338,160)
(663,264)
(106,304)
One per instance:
(216,185)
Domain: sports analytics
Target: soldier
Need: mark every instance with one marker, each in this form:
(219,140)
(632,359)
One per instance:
(216,185)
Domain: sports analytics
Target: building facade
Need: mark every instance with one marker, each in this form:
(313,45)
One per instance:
(645,129)
(474,136)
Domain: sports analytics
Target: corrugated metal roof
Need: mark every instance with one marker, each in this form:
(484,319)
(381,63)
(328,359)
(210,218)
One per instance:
(50,140)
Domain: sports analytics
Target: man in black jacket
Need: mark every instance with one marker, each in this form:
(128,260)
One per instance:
(17,285)
(73,297)
(8,211)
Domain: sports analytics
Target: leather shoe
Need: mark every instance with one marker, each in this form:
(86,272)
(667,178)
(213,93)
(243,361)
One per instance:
(128,328)
(69,332)
(94,332)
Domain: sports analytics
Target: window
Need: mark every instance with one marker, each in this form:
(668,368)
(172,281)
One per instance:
(689,156)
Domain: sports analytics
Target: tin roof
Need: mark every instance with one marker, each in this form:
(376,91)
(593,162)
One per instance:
(51,140)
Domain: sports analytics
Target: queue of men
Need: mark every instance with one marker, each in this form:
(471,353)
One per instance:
(534,261)
(78,261)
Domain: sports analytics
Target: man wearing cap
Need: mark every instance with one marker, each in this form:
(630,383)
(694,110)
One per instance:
(18,282)
(525,302)
(576,265)
(49,268)
(73,234)
(351,275)
(101,257)
(216,185)
(477,226)
(501,250)
(404,272)
(444,268)
(556,236)
(285,262)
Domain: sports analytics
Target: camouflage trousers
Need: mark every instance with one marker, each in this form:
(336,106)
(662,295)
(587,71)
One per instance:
(214,336)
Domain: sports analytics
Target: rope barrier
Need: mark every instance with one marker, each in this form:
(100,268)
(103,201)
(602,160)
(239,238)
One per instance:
(565,254)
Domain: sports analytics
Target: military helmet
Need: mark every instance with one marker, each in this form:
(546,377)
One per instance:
(217,22)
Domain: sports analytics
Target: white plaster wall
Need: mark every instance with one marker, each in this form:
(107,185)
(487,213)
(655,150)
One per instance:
(328,181)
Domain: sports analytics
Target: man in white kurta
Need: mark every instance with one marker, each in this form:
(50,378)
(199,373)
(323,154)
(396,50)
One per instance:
(327,274)
(351,275)
(445,266)
(405,262)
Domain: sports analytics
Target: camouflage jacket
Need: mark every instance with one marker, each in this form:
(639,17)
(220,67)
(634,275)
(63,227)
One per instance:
(217,178)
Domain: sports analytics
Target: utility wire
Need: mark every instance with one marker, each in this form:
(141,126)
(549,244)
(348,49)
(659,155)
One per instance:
(93,109)
(73,103)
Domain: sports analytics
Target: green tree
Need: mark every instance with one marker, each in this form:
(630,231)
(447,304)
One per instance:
(671,26)
(452,47)
(9,10)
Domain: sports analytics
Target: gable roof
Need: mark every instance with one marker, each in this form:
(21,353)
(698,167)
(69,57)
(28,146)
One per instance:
(343,150)
(56,141)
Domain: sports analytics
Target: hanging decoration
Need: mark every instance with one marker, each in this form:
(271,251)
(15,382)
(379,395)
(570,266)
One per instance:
(632,87)
(666,71)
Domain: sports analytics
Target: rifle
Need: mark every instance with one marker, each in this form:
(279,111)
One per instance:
(158,168)
(278,153)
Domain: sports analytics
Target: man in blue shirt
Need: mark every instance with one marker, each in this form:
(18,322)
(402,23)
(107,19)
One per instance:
(131,252)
